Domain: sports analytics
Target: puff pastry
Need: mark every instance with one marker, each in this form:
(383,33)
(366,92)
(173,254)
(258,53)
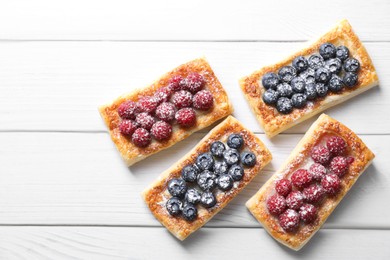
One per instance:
(130,152)
(274,122)
(298,159)
(156,194)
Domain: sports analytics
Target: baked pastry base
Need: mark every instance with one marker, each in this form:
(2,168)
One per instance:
(274,122)
(323,126)
(157,194)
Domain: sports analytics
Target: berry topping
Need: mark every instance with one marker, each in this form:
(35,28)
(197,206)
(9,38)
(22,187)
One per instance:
(270,80)
(276,204)
(163,94)
(317,171)
(334,65)
(320,154)
(147,104)
(174,206)
(166,111)
(335,84)
(161,130)
(217,148)
(235,141)
(316,61)
(186,117)
(331,184)
(270,96)
(193,196)
(322,75)
(336,145)
(342,53)
(189,212)
(327,51)
(350,159)
(287,73)
(203,100)
(231,156)
(195,82)
(225,182)
(299,100)
(298,85)
(237,172)
(338,165)
(284,105)
(127,127)
(141,137)
(145,120)
(310,91)
(220,167)
(289,220)
(300,63)
(190,173)
(321,89)
(283,187)
(206,180)
(285,90)
(308,76)
(308,213)
(177,188)
(301,178)
(294,200)
(177,83)
(208,200)
(128,110)
(205,161)
(314,193)
(351,65)
(350,79)
(182,98)
(248,159)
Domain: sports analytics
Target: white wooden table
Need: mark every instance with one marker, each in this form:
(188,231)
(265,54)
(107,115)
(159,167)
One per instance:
(64,191)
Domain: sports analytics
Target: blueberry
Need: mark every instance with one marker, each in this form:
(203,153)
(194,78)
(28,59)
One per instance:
(231,156)
(327,50)
(351,65)
(217,149)
(321,89)
(190,212)
(350,79)
(235,141)
(225,182)
(316,61)
(205,161)
(192,196)
(270,80)
(284,89)
(284,105)
(308,76)
(220,167)
(300,63)
(206,180)
(299,100)
(237,172)
(310,91)
(335,84)
(174,206)
(342,53)
(189,173)
(270,97)
(208,200)
(177,187)
(298,85)
(287,73)
(248,159)
(334,65)
(322,75)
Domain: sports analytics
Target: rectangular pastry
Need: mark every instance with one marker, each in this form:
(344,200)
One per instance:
(197,187)
(334,68)
(181,102)
(296,201)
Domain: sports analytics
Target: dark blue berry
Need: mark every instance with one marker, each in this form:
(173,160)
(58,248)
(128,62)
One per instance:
(350,79)
(177,187)
(189,212)
(193,196)
(217,149)
(316,61)
(310,91)
(225,182)
(322,75)
(270,96)
(220,167)
(248,159)
(287,73)
(208,200)
(205,161)
(237,172)
(189,173)
(321,89)
(308,76)
(298,85)
(284,105)
(334,65)
(327,50)
(206,180)
(335,84)
(299,100)
(300,63)
(270,80)
(284,90)
(351,65)
(174,206)
(342,53)
(235,141)
(231,156)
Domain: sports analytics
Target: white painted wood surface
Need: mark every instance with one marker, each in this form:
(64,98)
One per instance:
(64,191)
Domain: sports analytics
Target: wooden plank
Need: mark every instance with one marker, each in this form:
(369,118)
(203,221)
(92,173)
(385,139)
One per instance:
(58,178)
(177,20)
(58,85)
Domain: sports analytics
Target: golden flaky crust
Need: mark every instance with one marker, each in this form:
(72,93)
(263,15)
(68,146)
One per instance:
(324,126)
(131,153)
(156,195)
(274,122)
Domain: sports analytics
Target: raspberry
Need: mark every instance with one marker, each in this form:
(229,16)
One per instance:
(320,154)
(350,159)
(141,137)
(331,184)
(283,187)
(339,166)
(144,120)
(336,145)
(147,104)
(289,220)
(177,83)
(276,204)
(301,178)
(161,130)
(127,127)
(186,117)
(317,171)
(195,82)
(308,213)
(128,110)
(163,94)
(203,100)
(166,111)
(314,193)
(294,200)
(182,99)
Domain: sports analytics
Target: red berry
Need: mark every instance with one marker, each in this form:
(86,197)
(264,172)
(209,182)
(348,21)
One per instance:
(166,111)
(144,120)
(336,145)
(283,187)
(320,154)
(147,104)
(177,83)
(301,178)
(161,130)
(127,127)
(163,94)
(182,98)
(276,204)
(350,159)
(338,166)
(186,117)
(294,200)
(203,100)
(331,184)
(141,137)
(314,193)
(317,171)
(289,220)
(195,82)
(308,213)
(128,110)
